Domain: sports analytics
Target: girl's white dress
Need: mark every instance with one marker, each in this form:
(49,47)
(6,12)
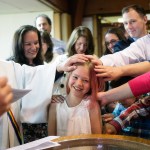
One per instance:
(73,120)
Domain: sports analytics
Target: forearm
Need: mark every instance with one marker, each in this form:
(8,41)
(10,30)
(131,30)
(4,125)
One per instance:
(120,93)
(135,69)
(96,119)
(60,68)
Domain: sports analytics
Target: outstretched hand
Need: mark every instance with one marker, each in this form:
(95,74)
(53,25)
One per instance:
(101,98)
(68,65)
(108,73)
(94,59)
(6,95)
(107,117)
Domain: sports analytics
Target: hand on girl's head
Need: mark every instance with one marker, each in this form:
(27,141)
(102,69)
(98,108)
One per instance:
(69,64)
(94,59)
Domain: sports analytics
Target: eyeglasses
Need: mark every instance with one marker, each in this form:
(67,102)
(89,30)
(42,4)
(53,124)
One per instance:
(113,42)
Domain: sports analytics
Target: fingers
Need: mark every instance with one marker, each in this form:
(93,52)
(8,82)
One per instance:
(107,117)
(71,68)
(6,95)
(105,72)
(94,59)
(81,58)
(68,65)
(6,105)
(78,58)
(3,81)
(57,99)
(102,69)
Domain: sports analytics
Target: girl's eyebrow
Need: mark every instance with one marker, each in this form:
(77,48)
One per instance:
(85,78)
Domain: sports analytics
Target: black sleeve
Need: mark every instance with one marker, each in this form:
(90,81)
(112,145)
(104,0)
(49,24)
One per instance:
(58,75)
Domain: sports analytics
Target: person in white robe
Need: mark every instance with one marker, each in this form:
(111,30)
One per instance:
(40,79)
(32,107)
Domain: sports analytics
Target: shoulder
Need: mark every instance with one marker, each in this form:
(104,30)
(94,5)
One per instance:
(54,40)
(11,58)
(120,45)
(142,43)
(93,106)
(62,57)
(145,40)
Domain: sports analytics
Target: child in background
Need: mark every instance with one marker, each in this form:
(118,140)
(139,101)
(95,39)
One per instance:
(120,122)
(80,112)
(121,105)
(134,121)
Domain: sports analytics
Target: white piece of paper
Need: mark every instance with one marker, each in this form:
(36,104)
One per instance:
(38,144)
(19,93)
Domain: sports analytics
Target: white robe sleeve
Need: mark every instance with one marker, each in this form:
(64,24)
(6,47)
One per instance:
(7,135)
(136,52)
(40,80)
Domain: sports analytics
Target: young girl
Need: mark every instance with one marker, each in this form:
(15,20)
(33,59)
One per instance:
(80,112)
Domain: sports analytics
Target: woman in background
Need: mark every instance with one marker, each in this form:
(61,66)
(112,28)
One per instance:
(27,46)
(112,36)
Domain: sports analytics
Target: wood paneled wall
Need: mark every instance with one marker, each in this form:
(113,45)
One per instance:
(96,7)
(81,8)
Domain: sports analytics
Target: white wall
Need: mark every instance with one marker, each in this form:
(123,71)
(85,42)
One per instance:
(88,22)
(9,24)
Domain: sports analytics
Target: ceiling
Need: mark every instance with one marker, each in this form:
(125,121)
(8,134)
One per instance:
(22,6)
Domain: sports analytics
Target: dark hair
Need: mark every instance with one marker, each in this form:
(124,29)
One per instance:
(45,37)
(44,16)
(139,9)
(18,50)
(122,28)
(118,32)
(78,32)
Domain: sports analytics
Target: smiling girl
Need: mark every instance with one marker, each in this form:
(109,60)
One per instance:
(80,112)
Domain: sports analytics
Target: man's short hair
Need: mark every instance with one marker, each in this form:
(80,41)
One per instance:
(139,9)
(44,16)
